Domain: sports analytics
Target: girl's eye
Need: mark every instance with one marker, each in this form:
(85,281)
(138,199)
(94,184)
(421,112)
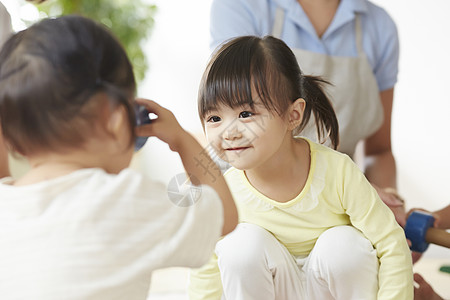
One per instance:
(246,114)
(213,119)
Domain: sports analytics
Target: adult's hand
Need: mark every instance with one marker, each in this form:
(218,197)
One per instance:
(394,201)
(424,291)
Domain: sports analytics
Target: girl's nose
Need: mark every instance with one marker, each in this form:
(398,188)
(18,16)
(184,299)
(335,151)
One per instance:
(232,132)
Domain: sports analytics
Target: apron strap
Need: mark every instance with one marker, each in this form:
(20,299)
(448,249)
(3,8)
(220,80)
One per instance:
(278,23)
(358,35)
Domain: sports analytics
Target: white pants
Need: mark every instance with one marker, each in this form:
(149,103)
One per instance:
(255,265)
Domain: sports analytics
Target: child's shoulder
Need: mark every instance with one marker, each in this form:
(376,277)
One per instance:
(323,151)
(103,178)
(324,156)
(338,166)
(95,179)
(131,178)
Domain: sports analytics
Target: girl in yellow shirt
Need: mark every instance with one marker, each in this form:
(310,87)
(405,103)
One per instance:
(311,225)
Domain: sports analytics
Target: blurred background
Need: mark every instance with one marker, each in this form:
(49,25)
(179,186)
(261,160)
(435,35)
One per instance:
(176,49)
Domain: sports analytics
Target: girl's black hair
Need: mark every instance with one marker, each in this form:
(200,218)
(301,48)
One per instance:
(49,74)
(269,67)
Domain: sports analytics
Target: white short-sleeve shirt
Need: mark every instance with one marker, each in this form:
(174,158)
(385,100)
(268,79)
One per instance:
(93,235)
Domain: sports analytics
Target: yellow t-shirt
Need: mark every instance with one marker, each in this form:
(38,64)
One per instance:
(336,193)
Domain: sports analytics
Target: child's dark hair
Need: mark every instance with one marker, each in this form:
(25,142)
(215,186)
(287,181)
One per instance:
(270,67)
(50,74)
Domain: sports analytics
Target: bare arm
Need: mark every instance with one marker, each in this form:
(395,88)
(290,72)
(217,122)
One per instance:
(443,218)
(167,129)
(4,167)
(380,162)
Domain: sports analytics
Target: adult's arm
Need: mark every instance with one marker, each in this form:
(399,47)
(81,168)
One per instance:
(441,216)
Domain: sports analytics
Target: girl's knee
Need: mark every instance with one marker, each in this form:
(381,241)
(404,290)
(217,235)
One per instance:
(246,242)
(249,247)
(344,249)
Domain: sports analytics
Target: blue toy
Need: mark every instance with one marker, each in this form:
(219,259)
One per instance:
(142,117)
(420,231)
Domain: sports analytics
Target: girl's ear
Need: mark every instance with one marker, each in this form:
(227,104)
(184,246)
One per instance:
(117,121)
(296,113)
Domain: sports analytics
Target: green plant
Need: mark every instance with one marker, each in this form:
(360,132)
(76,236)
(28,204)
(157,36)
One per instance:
(130,20)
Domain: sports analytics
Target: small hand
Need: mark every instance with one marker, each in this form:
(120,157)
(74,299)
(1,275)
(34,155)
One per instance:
(165,127)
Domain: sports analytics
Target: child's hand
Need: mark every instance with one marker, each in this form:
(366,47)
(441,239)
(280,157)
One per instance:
(165,127)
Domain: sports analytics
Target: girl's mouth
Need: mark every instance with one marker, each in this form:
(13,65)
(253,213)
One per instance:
(237,149)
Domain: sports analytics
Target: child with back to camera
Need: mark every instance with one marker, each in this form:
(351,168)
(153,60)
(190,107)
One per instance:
(80,224)
(311,225)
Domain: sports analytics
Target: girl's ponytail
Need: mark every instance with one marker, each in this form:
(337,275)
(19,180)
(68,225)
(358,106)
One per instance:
(318,103)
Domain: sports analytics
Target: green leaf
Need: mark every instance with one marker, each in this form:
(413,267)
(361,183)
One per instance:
(130,21)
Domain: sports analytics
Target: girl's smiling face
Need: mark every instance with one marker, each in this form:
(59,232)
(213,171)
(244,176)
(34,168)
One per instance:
(246,137)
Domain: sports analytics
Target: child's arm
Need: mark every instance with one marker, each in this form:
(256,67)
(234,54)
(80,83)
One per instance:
(4,169)
(167,129)
(376,221)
